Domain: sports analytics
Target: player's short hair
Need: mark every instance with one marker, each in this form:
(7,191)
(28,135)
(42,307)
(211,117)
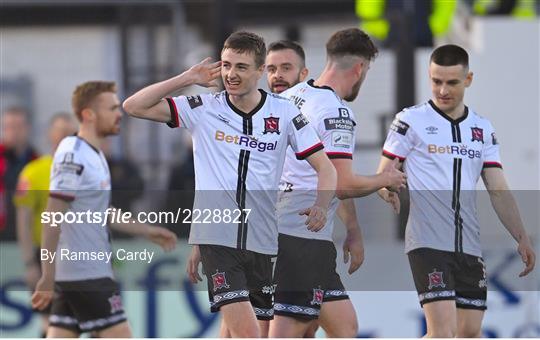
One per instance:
(351,42)
(85,93)
(450,55)
(247,42)
(288,45)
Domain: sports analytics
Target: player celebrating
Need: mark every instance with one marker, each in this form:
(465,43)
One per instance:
(86,296)
(445,147)
(240,136)
(308,286)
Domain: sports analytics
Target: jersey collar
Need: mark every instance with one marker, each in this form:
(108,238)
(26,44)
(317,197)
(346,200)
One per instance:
(311,83)
(90,145)
(252,112)
(445,116)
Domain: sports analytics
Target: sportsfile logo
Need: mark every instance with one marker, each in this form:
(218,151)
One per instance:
(245,141)
(460,150)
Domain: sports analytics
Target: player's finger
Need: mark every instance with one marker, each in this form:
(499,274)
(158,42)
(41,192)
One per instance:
(345,254)
(529,264)
(304,212)
(206,60)
(395,162)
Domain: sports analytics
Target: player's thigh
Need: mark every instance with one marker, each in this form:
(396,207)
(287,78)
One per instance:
(300,277)
(283,326)
(121,330)
(240,320)
(226,275)
(469,323)
(59,332)
(338,319)
(259,270)
(441,318)
(264,327)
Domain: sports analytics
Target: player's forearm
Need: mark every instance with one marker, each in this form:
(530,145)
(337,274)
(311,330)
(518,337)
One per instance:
(326,187)
(505,206)
(359,186)
(142,101)
(49,242)
(346,212)
(24,236)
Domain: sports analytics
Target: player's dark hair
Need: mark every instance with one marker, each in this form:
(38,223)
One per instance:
(288,45)
(351,41)
(247,42)
(450,55)
(85,93)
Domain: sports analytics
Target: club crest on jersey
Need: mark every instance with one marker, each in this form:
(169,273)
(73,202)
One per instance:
(115,302)
(318,295)
(271,125)
(477,134)
(435,279)
(219,280)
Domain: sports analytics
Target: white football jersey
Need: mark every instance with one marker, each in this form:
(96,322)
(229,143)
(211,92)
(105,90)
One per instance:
(238,160)
(335,126)
(80,175)
(443,159)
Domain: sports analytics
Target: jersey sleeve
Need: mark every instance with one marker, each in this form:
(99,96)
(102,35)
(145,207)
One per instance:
(302,136)
(25,193)
(491,154)
(336,130)
(400,140)
(66,175)
(186,111)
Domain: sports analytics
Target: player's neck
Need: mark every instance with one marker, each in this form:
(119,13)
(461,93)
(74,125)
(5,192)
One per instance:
(247,102)
(88,133)
(456,113)
(333,79)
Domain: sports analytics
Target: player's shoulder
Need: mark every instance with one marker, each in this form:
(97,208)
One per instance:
(479,119)
(75,149)
(414,113)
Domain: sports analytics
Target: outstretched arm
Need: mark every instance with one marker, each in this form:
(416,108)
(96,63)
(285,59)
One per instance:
(507,210)
(148,103)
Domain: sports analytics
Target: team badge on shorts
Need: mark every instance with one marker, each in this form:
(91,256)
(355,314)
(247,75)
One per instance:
(436,279)
(219,281)
(271,125)
(116,303)
(318,295)
(477,134)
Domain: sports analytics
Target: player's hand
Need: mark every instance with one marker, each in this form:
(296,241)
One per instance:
(353,247)
(43,294)
(390,197)
(163,237)
(395,178)
(316,217)
(206,73)
(32,275)
(528,257)
(192,267)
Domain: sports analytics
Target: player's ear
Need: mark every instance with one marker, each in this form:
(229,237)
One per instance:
(303,74)
(87,114)
(468,79)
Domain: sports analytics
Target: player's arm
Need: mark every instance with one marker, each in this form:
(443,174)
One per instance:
(389,196)
(505,206)
(24,240)
(353,185)
(353,245)
(163,237)
(326,190)
(149,103)
(50,235)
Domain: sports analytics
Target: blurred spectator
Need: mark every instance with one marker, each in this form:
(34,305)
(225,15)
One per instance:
(15,153)
(31,200)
